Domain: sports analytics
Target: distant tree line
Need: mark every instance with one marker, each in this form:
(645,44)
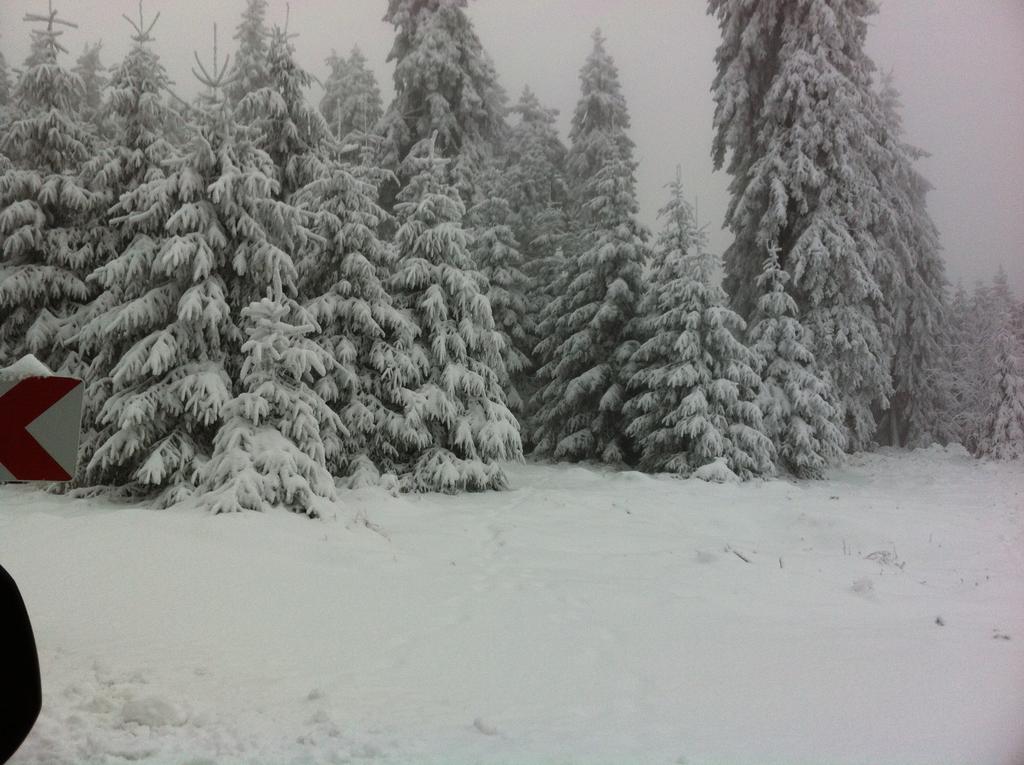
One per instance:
(268,300)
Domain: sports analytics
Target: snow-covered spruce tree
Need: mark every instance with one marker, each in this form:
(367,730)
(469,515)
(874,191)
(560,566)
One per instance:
(94,80)
(208,238)
(585,327)
(351,104)
(445,83)
(1001,300)
(369,338)
(796,113)
(456,425)
(44,250)
(535,185)
(333,93)
(796,401)
(964,371)
(979,320)
(1002,431)
(278,432)
(535,188)
(1017,323)
(693,380)
(284,125)
(974,358)
(496,255)
(5,87)
(136,153)
(272,448)
(919,411)
(252,68)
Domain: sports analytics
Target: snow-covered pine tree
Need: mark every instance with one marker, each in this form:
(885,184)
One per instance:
(1017,323)
(445,83)
(796,113)
(208,238)
(278,432)
(137,152)
(978,323)
(272,448)
(457,425)
(1002,431)
(90,68)
(535,188)
(585,327)
(694,382)
(535,183)
(369,338)
(252,67)
(496,255)
(5,88)
(962,347)
(1001,297)
(796,401)
(919,411)
(45,252)
(284,125)
(351,104)
(333,93)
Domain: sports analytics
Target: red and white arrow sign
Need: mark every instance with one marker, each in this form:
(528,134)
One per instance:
(39,422)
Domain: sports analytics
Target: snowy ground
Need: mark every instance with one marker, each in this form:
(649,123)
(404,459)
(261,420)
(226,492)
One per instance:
(584,617)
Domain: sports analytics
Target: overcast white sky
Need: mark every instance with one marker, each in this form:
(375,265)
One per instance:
(959,63)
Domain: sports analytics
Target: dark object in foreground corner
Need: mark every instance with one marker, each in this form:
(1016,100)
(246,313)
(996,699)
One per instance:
(21,693)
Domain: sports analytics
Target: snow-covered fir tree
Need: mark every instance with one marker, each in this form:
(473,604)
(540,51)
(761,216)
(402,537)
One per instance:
(333,93)
(252,67)
(45,251)
(694,383)
(1002,430)
(94,80)
(208,239)
(139,121)
(965,373)
(457,425)
(1017,322)
(920,407)
(1001,298)
(535,183)
(278,432)
(535,188)
(978,323)
(351,103)
(445,83)
(272,448)
(5,87)
(284,125)
(796,401)
(796,113)
(496,255)
(585,328)
(369,338)
(974,355)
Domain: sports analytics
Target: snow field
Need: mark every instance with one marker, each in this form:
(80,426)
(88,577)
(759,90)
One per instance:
(586,616)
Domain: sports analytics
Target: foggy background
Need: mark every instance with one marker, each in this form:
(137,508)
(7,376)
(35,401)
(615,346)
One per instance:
(958,63)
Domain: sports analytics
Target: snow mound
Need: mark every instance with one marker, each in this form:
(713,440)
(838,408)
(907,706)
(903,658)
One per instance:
(716,472)
(484,727)
(864,587)
(26,366)
(154,712)
(634,475)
